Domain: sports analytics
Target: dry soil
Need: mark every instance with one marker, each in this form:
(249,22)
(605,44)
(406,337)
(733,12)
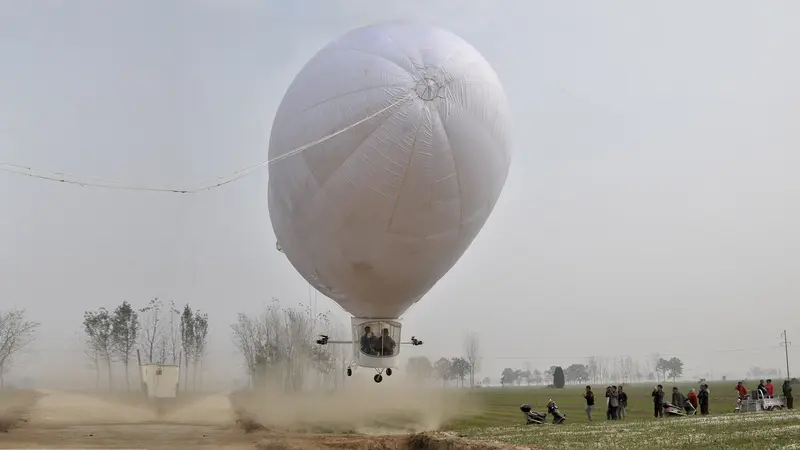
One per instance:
(73,420)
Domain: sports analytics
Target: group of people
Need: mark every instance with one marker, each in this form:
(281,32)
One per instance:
(617,399)
(616,403)
(382,345)
(690,402)
(767,390)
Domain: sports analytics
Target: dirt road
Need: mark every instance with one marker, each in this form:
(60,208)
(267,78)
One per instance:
(69,420)
(73,420)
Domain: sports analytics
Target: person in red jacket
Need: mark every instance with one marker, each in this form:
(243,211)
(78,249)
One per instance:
(770,389)
(741,389)
(692,397)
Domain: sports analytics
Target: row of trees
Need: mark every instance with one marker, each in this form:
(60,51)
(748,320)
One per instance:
(16,333)
(555,375)
(758,372)
(279,349)
(459,368)
(594,372)
(454,369)
(162,333)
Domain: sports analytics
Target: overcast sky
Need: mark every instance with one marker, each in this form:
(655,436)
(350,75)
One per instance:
(651,205)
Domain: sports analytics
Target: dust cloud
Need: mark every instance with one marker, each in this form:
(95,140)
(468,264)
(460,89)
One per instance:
(363,415)
(395,406)
(352,413)
(58,408)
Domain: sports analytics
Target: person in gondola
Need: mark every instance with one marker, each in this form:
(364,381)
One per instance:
(385,343)
(367,342)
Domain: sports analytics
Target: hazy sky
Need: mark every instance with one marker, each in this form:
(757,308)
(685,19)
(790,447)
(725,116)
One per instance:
(651,206)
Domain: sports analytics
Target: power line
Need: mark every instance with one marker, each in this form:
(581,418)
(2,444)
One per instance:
(85,181)
(698,352)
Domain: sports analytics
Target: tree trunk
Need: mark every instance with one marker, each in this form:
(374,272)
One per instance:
(127,376)
(110,375)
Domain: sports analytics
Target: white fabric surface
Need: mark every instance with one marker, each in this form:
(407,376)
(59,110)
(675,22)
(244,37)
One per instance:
(412,150)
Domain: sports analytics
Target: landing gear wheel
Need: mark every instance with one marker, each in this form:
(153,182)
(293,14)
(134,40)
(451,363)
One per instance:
(378,378)
(388,372)
(349,372)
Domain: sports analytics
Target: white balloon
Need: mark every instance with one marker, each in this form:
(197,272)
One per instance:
(396,145)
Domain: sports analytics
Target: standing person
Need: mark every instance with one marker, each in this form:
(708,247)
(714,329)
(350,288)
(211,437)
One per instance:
(787,392)
(623,404)
(770,389)
(692,398)
(762,388)
(702,398)
(677,398)
(613,403)
(742,390)
(658,401)
(608,402)
(589,396)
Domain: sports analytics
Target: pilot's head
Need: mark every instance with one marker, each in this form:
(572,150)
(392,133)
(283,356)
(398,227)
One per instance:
(366,330)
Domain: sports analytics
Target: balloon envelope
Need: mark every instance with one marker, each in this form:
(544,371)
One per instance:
(396,146)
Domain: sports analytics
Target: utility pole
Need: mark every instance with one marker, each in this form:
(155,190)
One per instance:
(786,345)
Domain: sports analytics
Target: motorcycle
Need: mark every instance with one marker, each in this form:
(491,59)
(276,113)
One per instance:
(558,417)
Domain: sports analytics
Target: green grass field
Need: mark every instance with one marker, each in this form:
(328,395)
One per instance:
(495,415)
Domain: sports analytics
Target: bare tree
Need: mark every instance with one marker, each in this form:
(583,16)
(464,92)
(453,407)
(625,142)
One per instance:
(187,340)
(153,331)
(528,373)
(636,370)
(472,352)
(593,369)
(602,369)
(654,360)
(124,335)
(537,376)
(247,340)
(200,343)
(625,369)
(97,325)
(16,333)
(170,346)
(279,345)
(93,354)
